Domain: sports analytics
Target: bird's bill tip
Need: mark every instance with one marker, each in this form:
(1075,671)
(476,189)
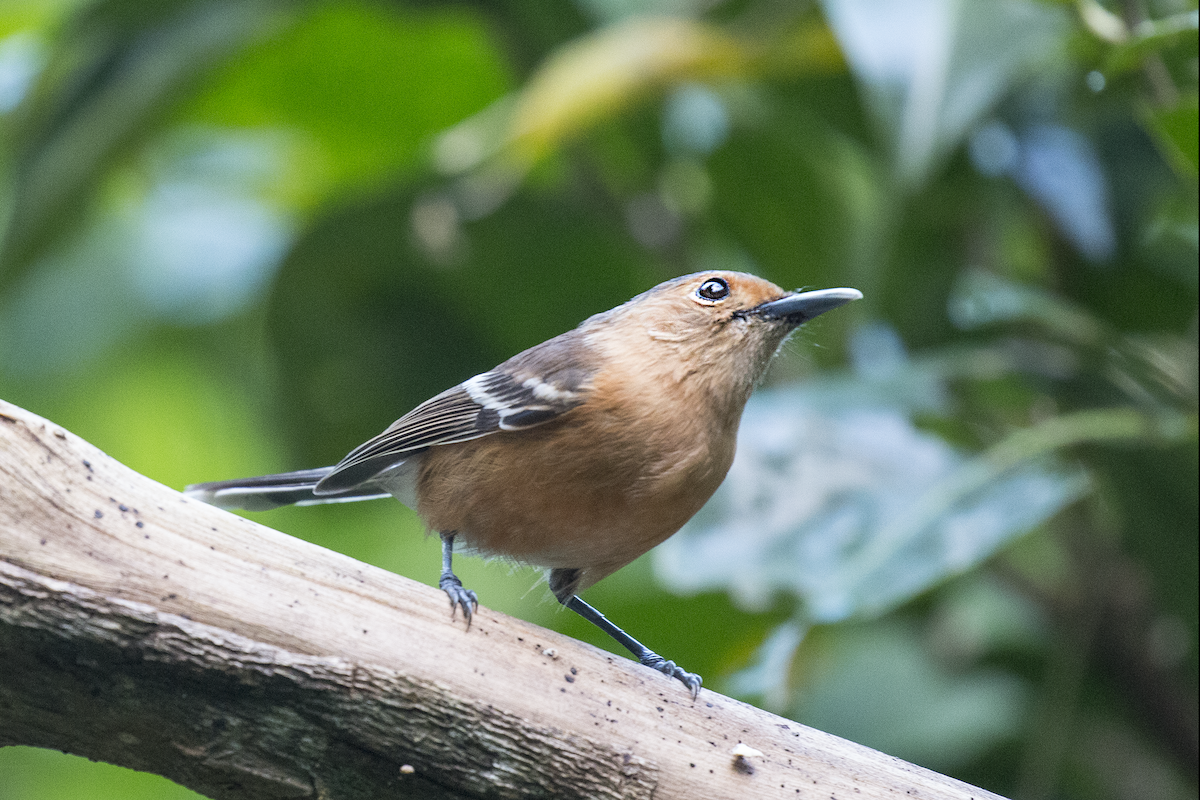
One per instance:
(800,307)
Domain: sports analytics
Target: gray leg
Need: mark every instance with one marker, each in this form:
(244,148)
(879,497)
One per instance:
(642,653)
(449,583)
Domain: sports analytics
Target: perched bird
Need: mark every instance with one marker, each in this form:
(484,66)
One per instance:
(580,453)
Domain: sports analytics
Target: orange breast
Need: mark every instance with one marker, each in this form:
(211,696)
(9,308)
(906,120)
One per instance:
(587,491)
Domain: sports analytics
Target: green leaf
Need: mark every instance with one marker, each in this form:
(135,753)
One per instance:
(369,85)
(1153,36)
(1176,131)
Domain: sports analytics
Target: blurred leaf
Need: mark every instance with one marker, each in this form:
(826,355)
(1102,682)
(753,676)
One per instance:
(879,685)
(192,229)
(1144,372)
(970,622)
(1121,764)
(609,11)
(1152,36)
(86,110)
(589,80)
(884,378)
(1104,24)
(186,237)
(1172,238)
(768,676)
(982,614)
(22,58)
(806,47)
(34,19)
(364,84)
(1176,130)
(982,298)
(930,69)
(604,74)
(1060,169)
(59,319)
(886,510)
(175,420)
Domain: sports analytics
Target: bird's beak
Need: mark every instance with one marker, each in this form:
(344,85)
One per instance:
(800,307)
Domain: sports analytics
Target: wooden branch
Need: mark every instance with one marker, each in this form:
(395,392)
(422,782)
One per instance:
(149,630)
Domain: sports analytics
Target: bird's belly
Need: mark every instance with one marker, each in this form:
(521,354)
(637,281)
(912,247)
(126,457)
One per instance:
(550,509)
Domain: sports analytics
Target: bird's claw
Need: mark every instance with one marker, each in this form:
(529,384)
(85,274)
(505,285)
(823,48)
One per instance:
(460,597)
(669,668)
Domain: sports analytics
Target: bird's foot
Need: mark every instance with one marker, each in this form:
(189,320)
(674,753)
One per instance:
(689,679)
(460,597)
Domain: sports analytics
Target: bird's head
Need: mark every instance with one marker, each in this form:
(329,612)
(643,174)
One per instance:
(720,326)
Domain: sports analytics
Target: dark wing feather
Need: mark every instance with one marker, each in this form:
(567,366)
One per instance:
(508,398)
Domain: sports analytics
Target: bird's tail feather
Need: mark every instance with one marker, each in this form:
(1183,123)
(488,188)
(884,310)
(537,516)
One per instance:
(272,491)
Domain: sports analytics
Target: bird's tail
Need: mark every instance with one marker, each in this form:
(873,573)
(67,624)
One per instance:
(272,491)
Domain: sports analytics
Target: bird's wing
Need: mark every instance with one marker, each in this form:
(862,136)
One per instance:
(511,397)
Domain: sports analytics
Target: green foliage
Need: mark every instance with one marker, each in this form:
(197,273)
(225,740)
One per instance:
(242,237)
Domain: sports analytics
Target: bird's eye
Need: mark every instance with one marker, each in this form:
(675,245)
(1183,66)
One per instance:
(713,289)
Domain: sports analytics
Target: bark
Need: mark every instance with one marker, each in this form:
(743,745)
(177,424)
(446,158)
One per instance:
(152,631)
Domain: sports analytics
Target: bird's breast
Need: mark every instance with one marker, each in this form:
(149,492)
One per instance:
(592,490)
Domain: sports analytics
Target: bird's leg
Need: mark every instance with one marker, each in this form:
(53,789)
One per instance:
(449,583)
(642,653)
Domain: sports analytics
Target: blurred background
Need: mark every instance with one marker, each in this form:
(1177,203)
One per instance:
(242,236)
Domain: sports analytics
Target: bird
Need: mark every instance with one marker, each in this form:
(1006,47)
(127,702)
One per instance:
(581,453)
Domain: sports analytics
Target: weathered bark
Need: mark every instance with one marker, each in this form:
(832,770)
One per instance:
(152,631)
